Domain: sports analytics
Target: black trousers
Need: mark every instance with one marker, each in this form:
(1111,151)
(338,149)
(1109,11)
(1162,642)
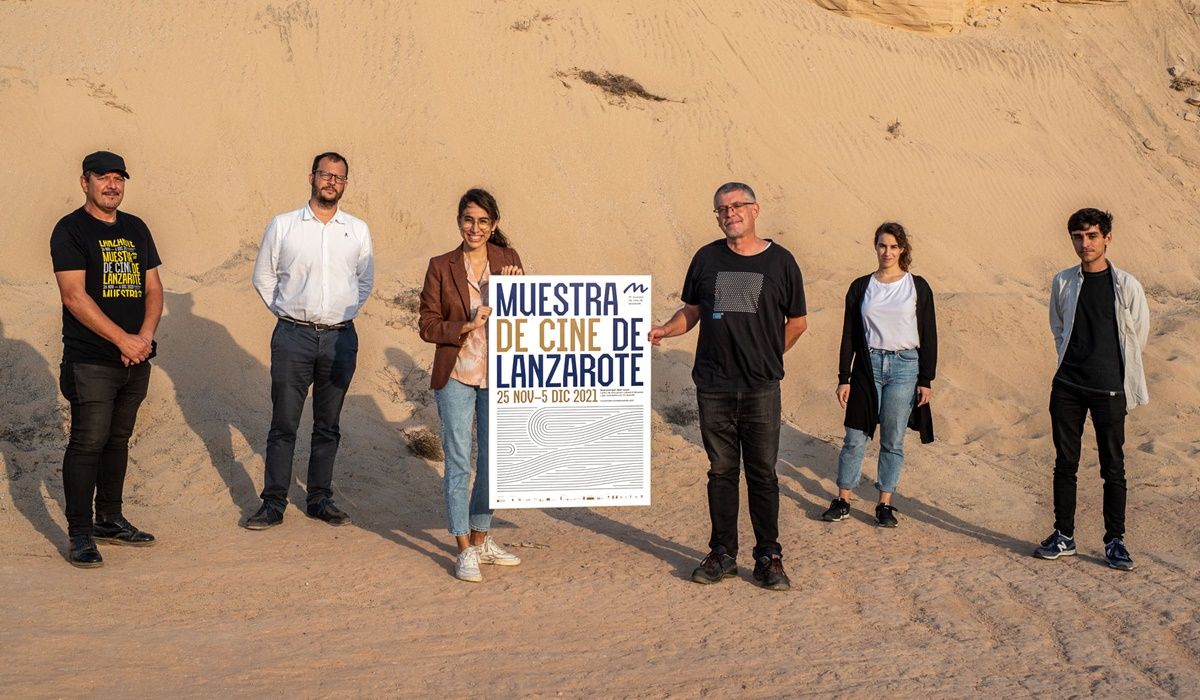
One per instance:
(303,357)
(104,405)
(1069,407)
(742,428)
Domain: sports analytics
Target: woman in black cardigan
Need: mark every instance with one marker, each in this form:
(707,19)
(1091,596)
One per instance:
(887,363)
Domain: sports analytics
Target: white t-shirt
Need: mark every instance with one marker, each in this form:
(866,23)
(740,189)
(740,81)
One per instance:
(889,314)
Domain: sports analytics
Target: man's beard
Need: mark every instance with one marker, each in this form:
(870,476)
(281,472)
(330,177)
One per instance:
(102,202)
(324,200)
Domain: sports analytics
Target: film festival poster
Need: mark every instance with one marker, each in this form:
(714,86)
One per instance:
(569,397)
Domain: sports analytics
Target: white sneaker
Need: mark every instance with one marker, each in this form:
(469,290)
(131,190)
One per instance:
(492,553)
(467,566)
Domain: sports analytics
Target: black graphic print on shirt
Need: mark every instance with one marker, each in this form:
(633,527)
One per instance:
(737,292)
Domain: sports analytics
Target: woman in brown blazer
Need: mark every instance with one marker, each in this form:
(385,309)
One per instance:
(454,313)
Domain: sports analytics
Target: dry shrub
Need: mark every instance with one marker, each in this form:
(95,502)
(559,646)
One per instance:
(408,300)
(524,25)
(1182,82)
(681,414)
(424,444)
(616,84)
(407,305)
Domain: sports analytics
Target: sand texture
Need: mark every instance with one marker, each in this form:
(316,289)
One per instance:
(981,138)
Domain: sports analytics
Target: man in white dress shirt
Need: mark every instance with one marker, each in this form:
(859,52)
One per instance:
(314,271)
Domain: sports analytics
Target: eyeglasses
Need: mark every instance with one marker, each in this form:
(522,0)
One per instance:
(467,224)
(328,177)
(725,209)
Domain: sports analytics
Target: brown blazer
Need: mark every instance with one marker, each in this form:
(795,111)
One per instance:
(446,305)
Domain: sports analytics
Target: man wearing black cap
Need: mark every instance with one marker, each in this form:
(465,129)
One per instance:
(107,271)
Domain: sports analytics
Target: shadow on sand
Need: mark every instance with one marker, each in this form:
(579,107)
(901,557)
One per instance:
(32,436)
(220,388)
(680,557)
(803,456)
(393,493)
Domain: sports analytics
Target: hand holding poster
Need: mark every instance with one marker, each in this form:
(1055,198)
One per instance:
(569,411)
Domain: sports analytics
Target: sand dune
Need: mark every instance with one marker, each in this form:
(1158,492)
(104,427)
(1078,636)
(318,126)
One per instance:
(981,140)
(941,16)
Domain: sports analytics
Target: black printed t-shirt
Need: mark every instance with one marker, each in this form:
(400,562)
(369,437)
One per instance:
(744,301)
(1093,356)
(115,257)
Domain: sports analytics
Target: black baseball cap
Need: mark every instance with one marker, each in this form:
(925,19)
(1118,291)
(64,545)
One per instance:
(103,162)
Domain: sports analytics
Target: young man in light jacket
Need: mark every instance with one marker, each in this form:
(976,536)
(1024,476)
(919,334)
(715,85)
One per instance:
(1100,322)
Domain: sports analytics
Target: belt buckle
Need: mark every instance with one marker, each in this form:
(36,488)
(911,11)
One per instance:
(315,326)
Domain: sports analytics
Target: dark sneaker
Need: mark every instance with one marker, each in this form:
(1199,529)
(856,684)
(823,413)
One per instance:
(268,515)
(839,509)
(769,573)
(716,566)
(1117,556)
(885,515)
(1055,546)
(83,552)
(327,511)
(121,531)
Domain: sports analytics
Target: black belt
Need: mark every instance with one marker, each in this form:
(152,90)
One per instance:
(316,326)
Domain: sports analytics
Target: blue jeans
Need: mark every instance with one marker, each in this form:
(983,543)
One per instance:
(460,405)
(896,385)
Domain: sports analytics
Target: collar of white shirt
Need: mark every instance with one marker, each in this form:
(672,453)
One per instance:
(308,214)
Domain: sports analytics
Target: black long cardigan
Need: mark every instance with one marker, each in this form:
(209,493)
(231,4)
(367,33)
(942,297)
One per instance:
(854,361)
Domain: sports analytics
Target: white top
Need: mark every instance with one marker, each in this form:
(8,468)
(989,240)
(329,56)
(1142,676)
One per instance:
(315,272)
(890,314)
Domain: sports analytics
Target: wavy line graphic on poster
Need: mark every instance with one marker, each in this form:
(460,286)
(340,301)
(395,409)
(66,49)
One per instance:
(563,448)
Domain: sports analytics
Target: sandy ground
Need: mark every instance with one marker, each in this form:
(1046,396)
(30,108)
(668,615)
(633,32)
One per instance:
(981,140)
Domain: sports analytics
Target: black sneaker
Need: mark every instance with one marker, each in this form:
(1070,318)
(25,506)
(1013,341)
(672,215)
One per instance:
(885,515)
(268,515)
(83,552)
(324,509)
(769,573)
(1055,546)
(121,531)
(1117,556)
(714,567)
(839,509)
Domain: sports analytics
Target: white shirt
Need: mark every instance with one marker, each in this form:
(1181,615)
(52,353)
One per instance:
(890,314)
(315,272)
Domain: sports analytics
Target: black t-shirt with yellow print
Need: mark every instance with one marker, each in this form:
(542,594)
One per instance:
(115,258)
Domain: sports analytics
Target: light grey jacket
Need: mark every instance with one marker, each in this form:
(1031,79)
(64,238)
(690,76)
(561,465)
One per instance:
(1133,323)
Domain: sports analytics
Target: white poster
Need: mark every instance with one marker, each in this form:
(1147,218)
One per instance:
(569,391)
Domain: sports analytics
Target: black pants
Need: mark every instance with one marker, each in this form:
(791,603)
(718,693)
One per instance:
(742,428)
(104,405)
(302,357)
(1069,407)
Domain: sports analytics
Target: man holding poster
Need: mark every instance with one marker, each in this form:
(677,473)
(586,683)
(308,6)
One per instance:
(748,296)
